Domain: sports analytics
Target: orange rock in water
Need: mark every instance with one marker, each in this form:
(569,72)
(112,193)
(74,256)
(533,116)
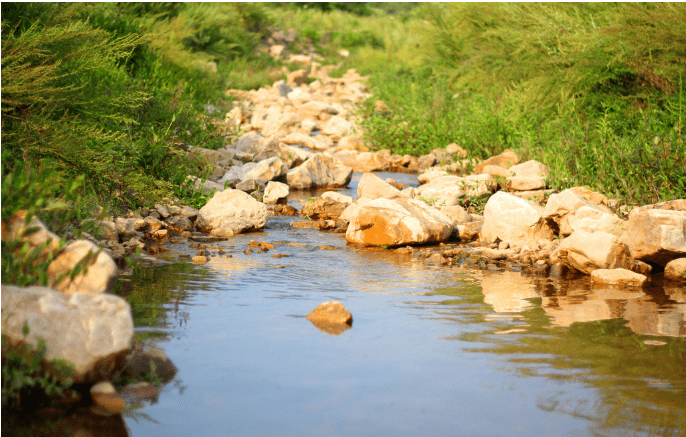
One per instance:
(105,396)
(266,246)
(331,312)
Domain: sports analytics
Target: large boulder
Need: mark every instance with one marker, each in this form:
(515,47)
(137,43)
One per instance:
(656,235)
(373,187)
(443,191)
(512,219)
(563,203)
(396,222)
(589,251)
(324,207)
(321,170)
(98,272)
(94,332)
(591,219)
(675,270)
(231,212)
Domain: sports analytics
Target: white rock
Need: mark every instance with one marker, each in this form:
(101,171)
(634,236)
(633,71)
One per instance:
(509,218)
(230,212)
(275,191)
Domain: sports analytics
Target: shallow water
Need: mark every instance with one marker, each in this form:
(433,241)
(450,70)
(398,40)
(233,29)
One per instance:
(433,350)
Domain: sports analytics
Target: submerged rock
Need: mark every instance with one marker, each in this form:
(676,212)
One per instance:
(105,396)
(331,317)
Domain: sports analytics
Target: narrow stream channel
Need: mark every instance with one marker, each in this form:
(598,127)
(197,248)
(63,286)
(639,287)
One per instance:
(433,350)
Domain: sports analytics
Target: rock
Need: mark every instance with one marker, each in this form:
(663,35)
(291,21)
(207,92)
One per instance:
(495,254)
(351,142)
(396,222)
(430,175)
(281,86)
(457,214)
(337,127)
(231,212)
(94,332)
(338,197)
(205,186)
(586,252)
(321,170)
(297,78)
(520,183)
(200,259)
(105,396)
(479,185)
(656,235)
(426,161)
(42,236)
(331,317)
(496,171)
(139,391)
(530,169)
(442,191)
(297,138)
(592,219)
(324,207)
(250,185)
(675,270)
(150,362)
(621,277)
(265,170)
(274,191)
(505,160)
(591,196)
(98,271)
(363,161)
(538,196)
(179,223)
(372,187)
(315,109)
(559,205)
(469,231)
(509,218)
(457,151)
(641,267)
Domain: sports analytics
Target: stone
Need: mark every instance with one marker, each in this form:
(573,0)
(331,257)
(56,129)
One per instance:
(231,212)
(496,171)
(297,138)
(105,396)
(98,275)
(337,127)
(297,78)
(520,183)
(250,185)
(207,187)
(563,203)
(315,109)
(592,219)
(321,170)
(620,277)
(372,187)
(151,361)
(200,259)
(457,214)
(530,169)
(479,185)
(675,270)
(656,235)
(275,191)
(430,175)
(456,150)
(442,191)
(396,222)
(338,197)
(16,229)
(351,142)
(94,332)
(331,317)
(324,207)
(505,160)
(469,231)
(509,218)
(586,252)
(592,196)
(179,223)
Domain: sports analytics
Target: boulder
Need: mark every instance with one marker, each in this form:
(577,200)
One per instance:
(530,169)
(314,109)
(586,252)
(323,207)
(430,175)
(509,218)
(620,277)
(563,203)
(321,170)
(442,191)
(337,127)
(496,171)
(522,183)
(275,191)
(231,212)
(16,230)
(396,222)
(675,270)
(592,219)
(656,235)
(94,332)
(98,272)
(372,187)
(250,185)
(338,197)
(505,160)
(457,214)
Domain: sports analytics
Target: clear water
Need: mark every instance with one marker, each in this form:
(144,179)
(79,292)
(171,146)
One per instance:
(433,350)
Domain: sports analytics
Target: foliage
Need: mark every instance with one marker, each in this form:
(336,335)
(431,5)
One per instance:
(25,375)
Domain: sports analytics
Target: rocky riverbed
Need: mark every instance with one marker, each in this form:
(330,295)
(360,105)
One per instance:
(301,136)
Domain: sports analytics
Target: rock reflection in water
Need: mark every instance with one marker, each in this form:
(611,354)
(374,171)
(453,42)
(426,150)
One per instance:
(507,292)
(334,329)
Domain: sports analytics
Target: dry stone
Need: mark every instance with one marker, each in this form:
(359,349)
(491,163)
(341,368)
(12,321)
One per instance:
(522,183)
(99,276)
(94,332)
(274,191)
(586,252)
(443,191)
(656,235)
(675,270)
(563,203)
(396,222)
(231,212)
(338,197)
(509,218)
(505,160)
(496,171)
(530,169)
(321,170)
(372,187)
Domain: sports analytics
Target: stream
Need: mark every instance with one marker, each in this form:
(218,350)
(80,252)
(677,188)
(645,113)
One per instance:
(433,350)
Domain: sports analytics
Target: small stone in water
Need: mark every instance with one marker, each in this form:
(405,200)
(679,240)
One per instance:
(199,259)
(247,251)
(254,243)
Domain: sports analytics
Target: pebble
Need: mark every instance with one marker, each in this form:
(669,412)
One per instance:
(200,259)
